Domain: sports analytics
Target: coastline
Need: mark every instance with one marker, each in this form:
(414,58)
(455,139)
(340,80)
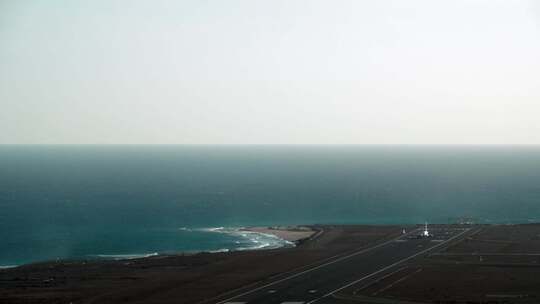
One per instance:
(178,278)
(503,255)
(287,236)
(262,237)
(292,234)
(8,266)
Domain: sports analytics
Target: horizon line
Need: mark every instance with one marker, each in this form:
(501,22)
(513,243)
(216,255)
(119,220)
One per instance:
(272,144)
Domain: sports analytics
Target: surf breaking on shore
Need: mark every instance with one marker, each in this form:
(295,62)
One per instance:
(245,238)
(125,256)
(8,266)
(255,238)
(248,238)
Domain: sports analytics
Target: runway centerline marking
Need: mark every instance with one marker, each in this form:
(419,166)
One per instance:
(388,267)
(318,267)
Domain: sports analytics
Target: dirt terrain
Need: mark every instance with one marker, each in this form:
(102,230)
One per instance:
(498,264)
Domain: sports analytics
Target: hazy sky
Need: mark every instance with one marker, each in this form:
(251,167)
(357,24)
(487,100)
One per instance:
(270,72)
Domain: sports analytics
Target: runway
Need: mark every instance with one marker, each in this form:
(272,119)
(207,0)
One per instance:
(320,283)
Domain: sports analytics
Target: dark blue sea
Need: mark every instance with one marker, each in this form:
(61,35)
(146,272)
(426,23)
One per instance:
(127,201)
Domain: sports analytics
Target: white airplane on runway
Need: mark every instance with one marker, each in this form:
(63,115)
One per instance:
(426,233)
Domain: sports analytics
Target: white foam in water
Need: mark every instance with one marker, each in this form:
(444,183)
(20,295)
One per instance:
(220,250)
(254,240)
(7,266)
(213,229)
(125,256)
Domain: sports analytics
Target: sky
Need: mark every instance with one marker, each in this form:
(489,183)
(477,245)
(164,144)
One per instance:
(269,72)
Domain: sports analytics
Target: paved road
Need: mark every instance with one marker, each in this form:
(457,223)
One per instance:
(318,284)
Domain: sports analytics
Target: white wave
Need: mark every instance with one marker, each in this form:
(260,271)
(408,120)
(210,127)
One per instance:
(125,256)
(7,266)
(220,250)
(212,229)
(250,239)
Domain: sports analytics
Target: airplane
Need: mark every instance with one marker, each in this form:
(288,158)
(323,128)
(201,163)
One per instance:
(425,233)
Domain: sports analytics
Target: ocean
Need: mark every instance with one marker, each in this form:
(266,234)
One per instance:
(64,202)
